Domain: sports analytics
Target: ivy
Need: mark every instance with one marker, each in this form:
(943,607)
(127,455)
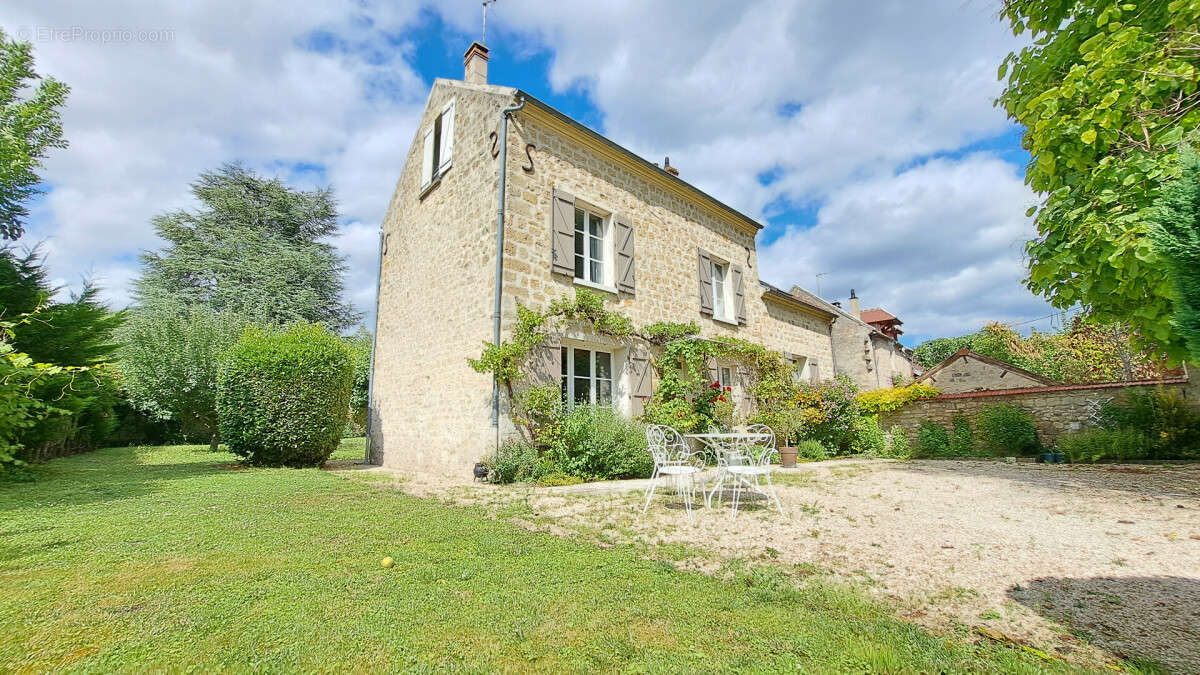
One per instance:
(683,397)
(506,359)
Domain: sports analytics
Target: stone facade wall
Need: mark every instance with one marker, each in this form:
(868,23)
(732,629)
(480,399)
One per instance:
(965,374)
(430,410)
(1056,410)
(667,232)
(890,361)
(867,358)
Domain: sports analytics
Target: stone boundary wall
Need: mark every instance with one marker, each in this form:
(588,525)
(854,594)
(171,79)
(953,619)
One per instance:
(1056,409)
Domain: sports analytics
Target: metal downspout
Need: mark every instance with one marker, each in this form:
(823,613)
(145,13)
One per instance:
(503,164)
(374,345)
(833,347)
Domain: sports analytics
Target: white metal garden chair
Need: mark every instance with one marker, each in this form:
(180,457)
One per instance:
(751,466)
(674,460)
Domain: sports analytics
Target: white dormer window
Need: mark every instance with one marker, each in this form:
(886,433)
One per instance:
(591,247)
(721,300)
(438,147)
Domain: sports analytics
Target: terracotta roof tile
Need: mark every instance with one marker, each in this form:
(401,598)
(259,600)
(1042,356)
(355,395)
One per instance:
(877,315)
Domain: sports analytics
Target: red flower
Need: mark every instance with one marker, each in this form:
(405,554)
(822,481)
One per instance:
(728,388)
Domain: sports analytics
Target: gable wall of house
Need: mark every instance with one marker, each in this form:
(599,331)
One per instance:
(970,374)
(430,410)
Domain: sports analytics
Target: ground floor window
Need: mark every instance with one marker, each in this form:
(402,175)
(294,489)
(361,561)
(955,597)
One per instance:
(725,376)
(587,375)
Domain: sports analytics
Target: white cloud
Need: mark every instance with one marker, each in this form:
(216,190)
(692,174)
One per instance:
(868,90)
(833,99)
(233,82)
(938,245)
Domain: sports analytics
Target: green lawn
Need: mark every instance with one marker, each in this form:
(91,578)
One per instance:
(173,557)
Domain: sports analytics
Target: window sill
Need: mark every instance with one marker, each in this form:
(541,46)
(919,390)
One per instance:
(599,287)
(437,180)
(725,321)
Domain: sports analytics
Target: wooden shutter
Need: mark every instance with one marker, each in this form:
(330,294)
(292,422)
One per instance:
(563,233)
(739,293)
(706,285)
(545,365)
(641,379)
(427,159)
(447,149)
(624,248)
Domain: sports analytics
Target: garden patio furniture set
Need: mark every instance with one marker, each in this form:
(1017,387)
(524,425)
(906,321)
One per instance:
(743,462)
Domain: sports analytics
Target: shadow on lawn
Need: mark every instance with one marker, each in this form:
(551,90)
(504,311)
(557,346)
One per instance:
(1155,619)
(105,475)
(1181,481)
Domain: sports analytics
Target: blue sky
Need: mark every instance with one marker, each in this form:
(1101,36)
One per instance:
(864,137)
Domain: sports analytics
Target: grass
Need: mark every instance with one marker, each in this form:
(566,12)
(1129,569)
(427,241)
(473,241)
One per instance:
(165,558)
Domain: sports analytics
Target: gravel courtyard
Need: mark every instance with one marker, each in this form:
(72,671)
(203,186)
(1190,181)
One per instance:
(1082,562)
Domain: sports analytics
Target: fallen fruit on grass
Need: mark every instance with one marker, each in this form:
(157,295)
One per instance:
(386,562)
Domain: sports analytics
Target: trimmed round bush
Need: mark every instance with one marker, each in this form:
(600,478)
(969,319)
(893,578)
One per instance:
(283,396)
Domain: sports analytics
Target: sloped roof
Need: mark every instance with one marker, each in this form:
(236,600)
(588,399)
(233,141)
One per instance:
(879,315)
(965,353)
(811,303)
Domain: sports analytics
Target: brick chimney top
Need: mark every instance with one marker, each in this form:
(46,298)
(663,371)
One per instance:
(475,62)
(668,168)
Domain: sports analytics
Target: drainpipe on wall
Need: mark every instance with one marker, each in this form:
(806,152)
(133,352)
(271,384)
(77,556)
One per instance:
(503,163)
(832,347)
(374,345)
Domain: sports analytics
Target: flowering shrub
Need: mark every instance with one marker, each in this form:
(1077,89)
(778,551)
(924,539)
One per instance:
(887,400)
(828,411)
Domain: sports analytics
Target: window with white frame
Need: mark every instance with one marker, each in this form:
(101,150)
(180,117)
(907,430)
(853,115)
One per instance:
(799,374)
(725,377)
(591,246)
(587,376)
(720,288)
(438,147)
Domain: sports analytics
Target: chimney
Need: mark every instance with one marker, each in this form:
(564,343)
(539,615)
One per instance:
(475,64)
(668,168)
(855,307)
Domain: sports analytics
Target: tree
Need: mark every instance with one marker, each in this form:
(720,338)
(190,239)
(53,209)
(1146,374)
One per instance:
(1080,353)
(1177,235)
(1106,92)
(168,363)
(29,127)
(254,248)
(360,345)
(60,350)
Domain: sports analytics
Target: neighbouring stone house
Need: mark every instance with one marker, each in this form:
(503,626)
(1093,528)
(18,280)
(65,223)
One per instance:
(579,211)
(861,350)
(966,371)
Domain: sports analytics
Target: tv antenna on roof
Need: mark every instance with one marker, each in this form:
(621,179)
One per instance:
(819,282)
(483,36)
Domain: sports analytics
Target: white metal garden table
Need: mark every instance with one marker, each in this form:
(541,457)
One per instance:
(738,462)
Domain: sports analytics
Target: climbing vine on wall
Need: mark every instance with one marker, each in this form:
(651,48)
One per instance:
(683,397)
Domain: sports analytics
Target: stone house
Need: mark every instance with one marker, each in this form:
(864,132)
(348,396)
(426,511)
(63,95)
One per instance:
(869,354)
(578,211)
(965,371)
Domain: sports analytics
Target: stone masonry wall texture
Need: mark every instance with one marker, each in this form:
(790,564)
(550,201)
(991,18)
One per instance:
(430,409)
(1056,410)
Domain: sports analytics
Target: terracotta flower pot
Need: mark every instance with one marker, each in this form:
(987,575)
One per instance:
(787,457)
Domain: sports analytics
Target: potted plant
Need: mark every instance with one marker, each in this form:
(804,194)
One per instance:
(787,424)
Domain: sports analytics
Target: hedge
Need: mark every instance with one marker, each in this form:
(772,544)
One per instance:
(283,395)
